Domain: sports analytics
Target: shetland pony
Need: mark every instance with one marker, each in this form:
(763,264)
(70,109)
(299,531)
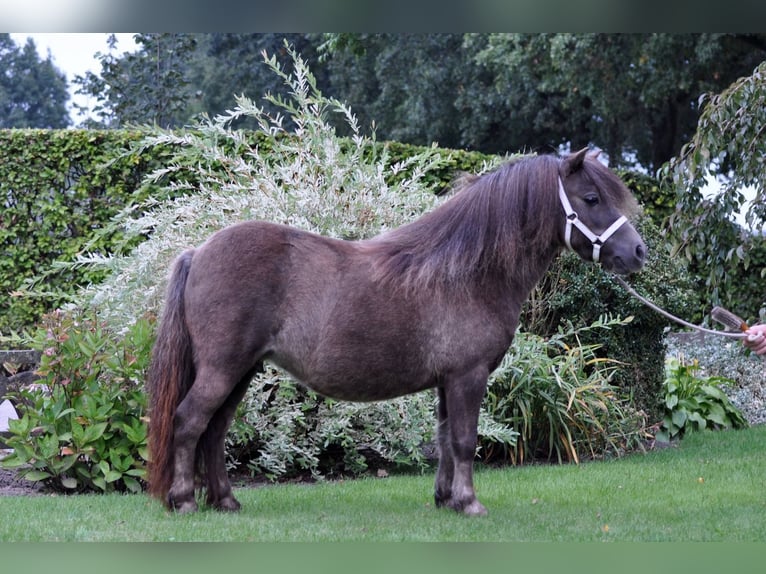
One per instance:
(432,304)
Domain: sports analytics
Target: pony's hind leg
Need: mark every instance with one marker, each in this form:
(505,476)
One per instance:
(208,393)
(213,444)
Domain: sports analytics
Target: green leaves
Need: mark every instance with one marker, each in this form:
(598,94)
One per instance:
(695,402)
(557,395)
(82,427)
(728,147)
(60,190)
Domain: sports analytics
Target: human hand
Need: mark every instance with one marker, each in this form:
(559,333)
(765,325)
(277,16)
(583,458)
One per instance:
(756,339)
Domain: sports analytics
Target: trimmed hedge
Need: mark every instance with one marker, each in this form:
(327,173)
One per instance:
(56,188)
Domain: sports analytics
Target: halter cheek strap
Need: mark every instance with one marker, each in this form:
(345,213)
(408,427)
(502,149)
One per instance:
(574,220)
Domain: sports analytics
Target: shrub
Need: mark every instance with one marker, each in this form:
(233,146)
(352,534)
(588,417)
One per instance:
(556,393)
(695,402)
(81,426)
(657,202)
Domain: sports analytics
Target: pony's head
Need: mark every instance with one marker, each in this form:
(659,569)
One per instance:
(596,205)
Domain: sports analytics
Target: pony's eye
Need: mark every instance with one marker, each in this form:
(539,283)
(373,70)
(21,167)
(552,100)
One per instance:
(591,199)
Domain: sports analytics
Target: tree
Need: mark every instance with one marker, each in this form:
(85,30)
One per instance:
(147,86)
(409,85)
(33,92)
(634,95)
(729,146)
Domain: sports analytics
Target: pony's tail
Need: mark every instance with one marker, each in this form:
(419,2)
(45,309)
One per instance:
(171,373)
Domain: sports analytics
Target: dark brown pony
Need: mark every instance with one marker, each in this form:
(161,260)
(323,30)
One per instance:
(434,303)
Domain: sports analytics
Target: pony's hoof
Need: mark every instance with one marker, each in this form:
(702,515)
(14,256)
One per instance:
(228,504)
(472,508)
(184,507)
(475,508)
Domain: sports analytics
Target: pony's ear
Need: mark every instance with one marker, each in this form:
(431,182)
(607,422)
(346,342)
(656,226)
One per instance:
(573,162)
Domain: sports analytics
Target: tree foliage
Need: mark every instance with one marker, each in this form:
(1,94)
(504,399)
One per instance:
(33,92)
(410,85)
(728,146)
(147,86)
(635,96)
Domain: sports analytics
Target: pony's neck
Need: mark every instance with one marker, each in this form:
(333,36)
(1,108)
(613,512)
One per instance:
(522,276)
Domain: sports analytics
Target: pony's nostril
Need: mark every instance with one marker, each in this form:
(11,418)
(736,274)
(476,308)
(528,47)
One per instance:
(640,251)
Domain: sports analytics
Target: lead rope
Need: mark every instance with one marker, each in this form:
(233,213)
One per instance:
(661,311)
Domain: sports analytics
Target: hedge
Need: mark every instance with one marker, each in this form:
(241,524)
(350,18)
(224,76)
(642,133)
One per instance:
(57,187)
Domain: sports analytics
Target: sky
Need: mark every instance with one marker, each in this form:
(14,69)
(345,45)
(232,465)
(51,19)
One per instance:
(74,54)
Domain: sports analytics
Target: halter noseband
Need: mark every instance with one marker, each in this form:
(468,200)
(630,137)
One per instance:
(573,219)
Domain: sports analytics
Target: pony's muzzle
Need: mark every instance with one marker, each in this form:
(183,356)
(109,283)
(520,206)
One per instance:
(629,261)
(641,253)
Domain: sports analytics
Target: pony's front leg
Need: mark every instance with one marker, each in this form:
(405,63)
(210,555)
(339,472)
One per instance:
(464,396)
(446,470)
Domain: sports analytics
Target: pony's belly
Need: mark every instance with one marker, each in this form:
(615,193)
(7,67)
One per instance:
(360,384)
(366,390)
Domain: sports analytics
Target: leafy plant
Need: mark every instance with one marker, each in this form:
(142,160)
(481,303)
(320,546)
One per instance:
(727,148)
(730,360)
(556,393)
(695,402)
(82,425)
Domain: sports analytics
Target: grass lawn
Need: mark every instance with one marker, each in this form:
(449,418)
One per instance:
(710,488)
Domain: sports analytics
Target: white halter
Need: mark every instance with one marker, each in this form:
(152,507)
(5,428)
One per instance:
(573,219)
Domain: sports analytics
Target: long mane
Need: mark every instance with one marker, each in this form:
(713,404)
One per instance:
(488,224)
(504,222)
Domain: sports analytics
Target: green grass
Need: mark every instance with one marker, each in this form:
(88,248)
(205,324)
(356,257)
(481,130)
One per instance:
(711,488)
